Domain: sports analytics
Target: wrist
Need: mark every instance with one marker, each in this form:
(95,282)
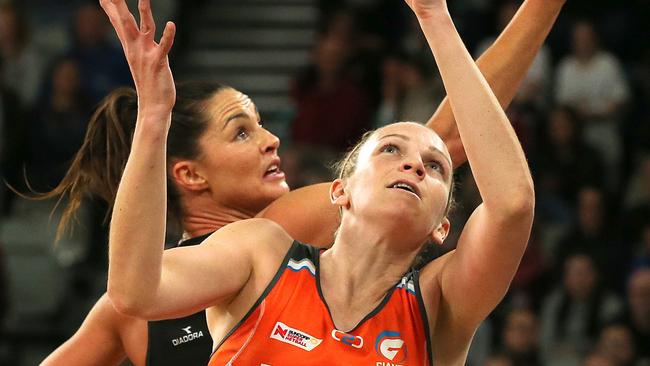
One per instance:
(436,26)
(156,123)
(435,13)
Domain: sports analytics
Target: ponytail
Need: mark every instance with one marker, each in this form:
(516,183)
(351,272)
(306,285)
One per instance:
(97,167)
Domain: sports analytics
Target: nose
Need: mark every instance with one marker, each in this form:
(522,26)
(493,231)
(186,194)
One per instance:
(413,165)
(270,142)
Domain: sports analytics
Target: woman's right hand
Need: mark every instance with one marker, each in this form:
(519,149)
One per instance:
(148,60)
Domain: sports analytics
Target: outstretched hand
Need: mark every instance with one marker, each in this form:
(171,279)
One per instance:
(147,59)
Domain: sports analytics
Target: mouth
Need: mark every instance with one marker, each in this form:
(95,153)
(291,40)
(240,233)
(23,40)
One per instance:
(406,186)
(273,170)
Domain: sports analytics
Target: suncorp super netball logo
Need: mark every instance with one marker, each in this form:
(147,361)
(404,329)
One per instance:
(389,345)
(294,337)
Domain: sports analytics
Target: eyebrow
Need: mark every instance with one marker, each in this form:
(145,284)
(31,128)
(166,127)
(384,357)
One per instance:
(233,117)
(432,148)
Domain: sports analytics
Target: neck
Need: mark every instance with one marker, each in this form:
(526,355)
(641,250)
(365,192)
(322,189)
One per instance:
(585,58)
(202,215)
(362,265)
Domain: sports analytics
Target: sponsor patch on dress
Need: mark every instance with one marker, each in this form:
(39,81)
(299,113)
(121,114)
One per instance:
(295,337)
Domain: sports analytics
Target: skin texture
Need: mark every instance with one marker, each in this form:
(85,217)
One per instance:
(306,214)
(382,227)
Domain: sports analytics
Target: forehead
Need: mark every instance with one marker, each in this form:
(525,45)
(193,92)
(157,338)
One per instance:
(228,103)
(417,134)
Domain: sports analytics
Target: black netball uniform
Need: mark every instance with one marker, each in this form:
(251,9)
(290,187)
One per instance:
(185,341)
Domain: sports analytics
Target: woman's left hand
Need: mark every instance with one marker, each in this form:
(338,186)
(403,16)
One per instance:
(147,59)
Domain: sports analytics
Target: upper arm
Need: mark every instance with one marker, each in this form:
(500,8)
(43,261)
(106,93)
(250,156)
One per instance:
(307,214)
(97,342)
(478,274)
(197,277)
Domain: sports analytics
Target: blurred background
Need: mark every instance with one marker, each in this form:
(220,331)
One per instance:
(321,72)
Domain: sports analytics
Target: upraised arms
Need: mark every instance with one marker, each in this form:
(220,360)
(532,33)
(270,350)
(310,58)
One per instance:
(474,278)
(308,215)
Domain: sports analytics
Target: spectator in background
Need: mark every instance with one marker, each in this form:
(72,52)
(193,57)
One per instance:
(593,234)
(574,312)
(102,67)
(564,161)
(12,143)
(592,81)
(641,254)
(616,343)
(638,192)
(534,90)
(637,315)
(529,284)
(637,200)
(499,359)
(597,359)
(332,109)
(23,66)
(58,126)
(520,338)
(410,91)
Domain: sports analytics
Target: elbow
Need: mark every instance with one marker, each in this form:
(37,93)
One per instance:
(521,203)
(126,304)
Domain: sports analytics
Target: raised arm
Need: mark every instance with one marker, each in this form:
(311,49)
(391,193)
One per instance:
(504,65)
(142,281)
(475,277)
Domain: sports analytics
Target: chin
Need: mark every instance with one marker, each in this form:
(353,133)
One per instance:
(275,191)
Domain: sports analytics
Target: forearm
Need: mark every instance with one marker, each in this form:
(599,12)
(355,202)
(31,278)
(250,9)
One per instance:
(97,342)
(139,216)
(492,148)
(505,64)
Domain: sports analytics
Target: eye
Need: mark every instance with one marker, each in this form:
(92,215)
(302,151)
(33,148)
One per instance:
(242,134)
(390,148)
(260,123)
(435,165)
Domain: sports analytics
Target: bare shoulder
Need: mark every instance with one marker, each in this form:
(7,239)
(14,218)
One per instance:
(259,235)
(254,229)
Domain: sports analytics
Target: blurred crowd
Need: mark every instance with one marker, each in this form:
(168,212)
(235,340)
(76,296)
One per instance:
(582,293)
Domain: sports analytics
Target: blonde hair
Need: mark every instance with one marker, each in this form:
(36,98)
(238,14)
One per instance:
(346,166)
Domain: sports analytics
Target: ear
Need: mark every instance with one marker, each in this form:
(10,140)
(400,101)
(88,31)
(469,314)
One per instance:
(338,195)
(440,233)
(187,174)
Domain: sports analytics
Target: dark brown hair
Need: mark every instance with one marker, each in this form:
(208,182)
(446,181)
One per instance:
(98,165)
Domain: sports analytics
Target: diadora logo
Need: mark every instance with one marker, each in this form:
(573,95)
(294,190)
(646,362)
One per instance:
(188,337)
(349,339)
(391,346)
(294,337)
